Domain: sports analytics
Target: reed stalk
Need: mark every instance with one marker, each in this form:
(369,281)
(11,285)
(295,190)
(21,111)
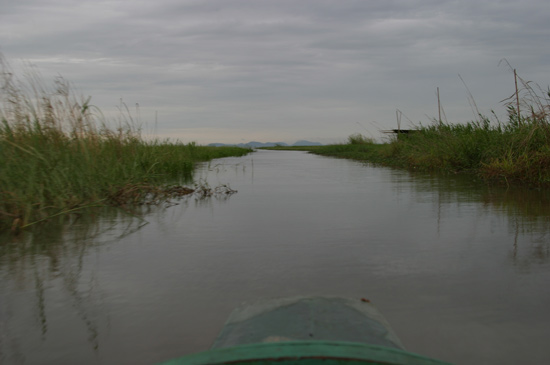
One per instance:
(516,151)
(58,155)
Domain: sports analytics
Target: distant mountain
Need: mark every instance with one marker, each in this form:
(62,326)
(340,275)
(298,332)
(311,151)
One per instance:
(307,143)
(251,144)
(255,144)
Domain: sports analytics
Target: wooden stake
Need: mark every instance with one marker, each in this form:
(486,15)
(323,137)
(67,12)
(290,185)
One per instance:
(439,105)
(517,95)
(398,116)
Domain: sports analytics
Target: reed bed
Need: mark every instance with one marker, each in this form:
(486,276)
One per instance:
(515,151)
(58,155)
(511,153)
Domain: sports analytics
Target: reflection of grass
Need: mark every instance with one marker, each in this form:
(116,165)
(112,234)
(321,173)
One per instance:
(526,209)
(57,155)
(53,259)
(47,262)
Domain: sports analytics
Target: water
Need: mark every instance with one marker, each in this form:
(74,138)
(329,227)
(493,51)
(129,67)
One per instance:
(459,269)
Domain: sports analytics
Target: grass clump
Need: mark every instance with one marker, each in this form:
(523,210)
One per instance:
(516,151)
(58,155)
(358,147)
(358,138)
(513,152)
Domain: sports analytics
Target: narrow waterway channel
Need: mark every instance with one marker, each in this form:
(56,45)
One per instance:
(459,269)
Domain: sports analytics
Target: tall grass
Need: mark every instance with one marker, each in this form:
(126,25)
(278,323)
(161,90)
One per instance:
(57,154)
(516,151)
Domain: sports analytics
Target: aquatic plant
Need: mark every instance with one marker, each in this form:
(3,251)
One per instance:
(59,155)
(358,138)
(514,151)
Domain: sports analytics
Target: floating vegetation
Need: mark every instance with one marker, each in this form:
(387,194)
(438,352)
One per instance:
(203,190)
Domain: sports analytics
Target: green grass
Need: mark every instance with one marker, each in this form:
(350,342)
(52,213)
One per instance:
(513,152)
(358,148)
(364,152)
(57,155)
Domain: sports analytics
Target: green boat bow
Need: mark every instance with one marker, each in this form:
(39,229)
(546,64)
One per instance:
(306,330)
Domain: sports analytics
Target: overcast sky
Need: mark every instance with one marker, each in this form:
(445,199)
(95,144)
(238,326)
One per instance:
(281,70)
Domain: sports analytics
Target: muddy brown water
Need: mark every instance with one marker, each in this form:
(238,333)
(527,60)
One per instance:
(459,269)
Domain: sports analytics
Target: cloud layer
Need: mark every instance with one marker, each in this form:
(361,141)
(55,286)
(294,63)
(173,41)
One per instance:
(270,70)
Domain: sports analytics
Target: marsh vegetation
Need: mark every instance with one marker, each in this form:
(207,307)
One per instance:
(59,155)
(515,151)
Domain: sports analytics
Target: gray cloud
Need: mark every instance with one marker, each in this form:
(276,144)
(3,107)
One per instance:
(282,69)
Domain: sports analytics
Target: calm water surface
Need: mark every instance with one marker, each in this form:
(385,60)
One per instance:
(460,270)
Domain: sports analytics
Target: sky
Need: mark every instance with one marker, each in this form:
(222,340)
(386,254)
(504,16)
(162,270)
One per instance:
(233,71)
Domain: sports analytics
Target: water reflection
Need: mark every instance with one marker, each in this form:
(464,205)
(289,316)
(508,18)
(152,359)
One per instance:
(157,283)
(52,256)
(57,266)
(527,211)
